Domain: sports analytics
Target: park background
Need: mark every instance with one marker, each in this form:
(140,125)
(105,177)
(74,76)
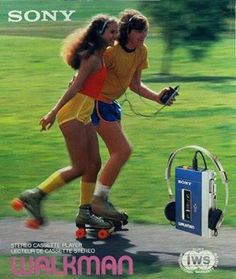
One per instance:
(33,77)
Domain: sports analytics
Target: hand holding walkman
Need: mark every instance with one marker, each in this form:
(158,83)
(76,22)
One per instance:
(170,95)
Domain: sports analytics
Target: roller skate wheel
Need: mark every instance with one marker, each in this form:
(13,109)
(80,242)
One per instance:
(32,224)
(17,204)
(103,234)
(80,233)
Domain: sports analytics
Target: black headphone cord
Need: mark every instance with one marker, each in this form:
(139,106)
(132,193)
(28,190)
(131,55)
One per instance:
(195,161)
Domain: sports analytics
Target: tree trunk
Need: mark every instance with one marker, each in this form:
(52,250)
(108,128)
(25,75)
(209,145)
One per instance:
(166,59)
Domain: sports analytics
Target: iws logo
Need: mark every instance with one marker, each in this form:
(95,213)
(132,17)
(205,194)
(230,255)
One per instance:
(198,261)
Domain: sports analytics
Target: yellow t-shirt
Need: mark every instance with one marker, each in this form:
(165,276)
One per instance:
(121,67)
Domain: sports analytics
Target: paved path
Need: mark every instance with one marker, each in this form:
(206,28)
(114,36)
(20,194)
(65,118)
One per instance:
(149,244)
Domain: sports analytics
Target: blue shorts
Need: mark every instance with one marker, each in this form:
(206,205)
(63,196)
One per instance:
(107,112)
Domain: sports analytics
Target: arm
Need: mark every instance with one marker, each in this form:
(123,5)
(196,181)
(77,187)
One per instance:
(141,89)
(86,68)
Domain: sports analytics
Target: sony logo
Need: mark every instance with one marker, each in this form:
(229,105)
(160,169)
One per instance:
(184,182)
(34,15)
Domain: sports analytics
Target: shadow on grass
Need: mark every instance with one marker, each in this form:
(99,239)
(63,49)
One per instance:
(175,78)
(207,112)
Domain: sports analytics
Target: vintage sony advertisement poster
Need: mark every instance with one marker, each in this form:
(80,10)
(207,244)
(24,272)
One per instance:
(118,139)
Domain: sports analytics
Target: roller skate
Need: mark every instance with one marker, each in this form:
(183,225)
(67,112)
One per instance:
(102,207)
(31,201)
(87,221)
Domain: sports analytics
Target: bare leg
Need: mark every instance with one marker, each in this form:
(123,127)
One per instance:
(76,141)
(93,156)
(88,181)
(119,150)
(118,147)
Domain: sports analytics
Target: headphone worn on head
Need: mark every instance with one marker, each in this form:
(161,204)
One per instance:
(130,22)
(101,31)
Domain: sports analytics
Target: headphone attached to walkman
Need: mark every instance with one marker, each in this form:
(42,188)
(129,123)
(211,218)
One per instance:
(216,215)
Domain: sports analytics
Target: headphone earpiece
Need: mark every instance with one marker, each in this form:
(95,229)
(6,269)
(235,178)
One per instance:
(170,211)
(215,216)
(215,219)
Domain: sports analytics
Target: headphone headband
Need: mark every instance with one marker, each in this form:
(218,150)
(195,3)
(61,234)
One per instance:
(214,160)
(104,26)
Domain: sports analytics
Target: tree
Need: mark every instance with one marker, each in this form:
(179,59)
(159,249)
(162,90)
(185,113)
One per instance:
(192,24)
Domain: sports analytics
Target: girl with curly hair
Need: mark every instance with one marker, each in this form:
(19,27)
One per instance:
(83,51)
